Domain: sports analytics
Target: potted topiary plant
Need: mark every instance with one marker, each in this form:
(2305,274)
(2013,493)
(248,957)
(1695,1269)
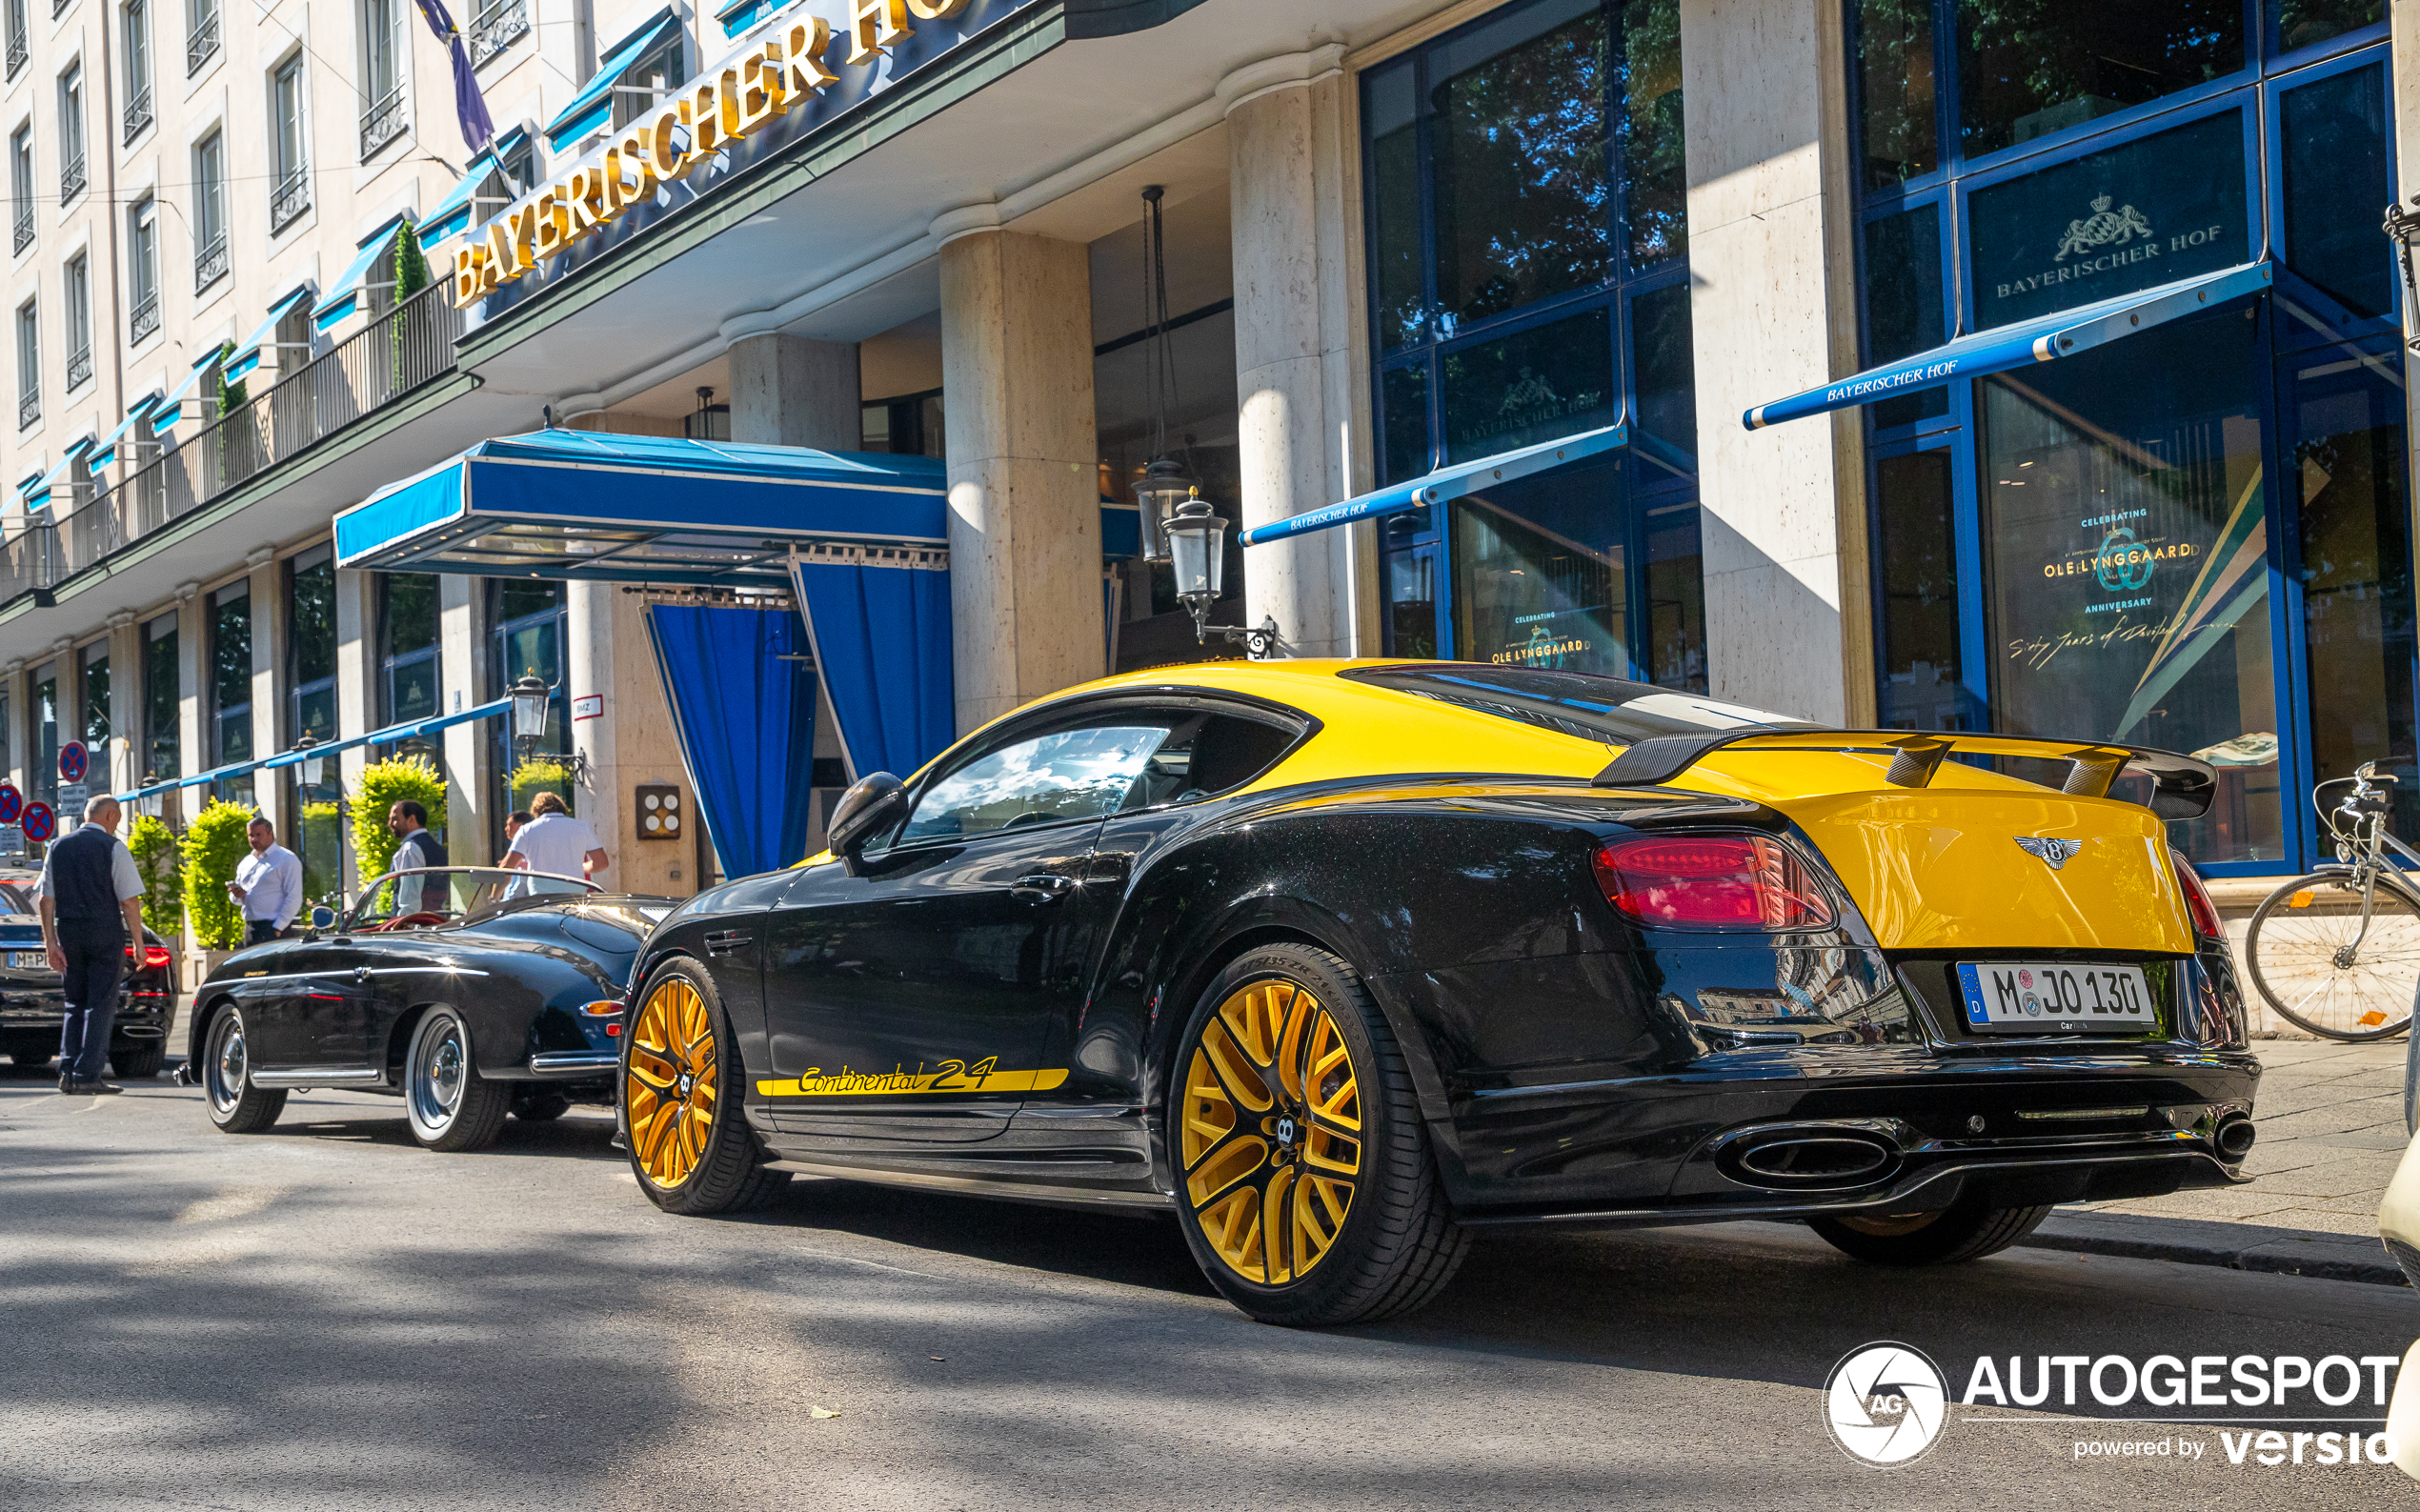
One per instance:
(215,845)
(383,785)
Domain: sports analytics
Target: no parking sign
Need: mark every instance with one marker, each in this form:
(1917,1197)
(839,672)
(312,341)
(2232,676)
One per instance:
(39,825)
(11,803)
(74,761)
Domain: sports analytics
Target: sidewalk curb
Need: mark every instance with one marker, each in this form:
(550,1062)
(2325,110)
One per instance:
(2236,1246)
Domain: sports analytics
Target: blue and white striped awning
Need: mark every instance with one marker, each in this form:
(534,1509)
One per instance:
(247,356)
(346,296)
(184,402)
(454,214)
(37,492)
(105,452)
(1445,483)
(592,109)
(2045,338)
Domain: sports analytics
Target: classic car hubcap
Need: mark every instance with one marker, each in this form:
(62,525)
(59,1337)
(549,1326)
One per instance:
(227,1080)
(671,1087)
(1272,1136)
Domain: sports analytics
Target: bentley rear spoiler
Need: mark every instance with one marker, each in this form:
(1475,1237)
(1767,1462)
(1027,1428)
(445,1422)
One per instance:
(2182,786)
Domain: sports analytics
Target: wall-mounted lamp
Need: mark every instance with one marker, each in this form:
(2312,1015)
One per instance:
(1197,555)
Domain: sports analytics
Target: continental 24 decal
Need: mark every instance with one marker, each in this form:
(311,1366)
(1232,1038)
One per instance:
(944,1077)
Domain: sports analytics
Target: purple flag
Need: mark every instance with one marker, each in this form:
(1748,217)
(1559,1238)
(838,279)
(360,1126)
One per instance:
(470,106)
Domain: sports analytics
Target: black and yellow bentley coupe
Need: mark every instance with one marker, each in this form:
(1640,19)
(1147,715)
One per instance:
(471,992)
(1339,961)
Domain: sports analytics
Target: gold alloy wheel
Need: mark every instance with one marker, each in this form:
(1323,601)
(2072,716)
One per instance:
(1889,1225)
(671,1089)
(1272,1131)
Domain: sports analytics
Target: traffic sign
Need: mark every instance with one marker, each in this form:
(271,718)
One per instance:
(73,761)
(11,842)
(70,805)
(39,825)
(11,803)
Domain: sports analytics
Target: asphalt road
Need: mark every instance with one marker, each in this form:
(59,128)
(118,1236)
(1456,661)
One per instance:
(325,1317)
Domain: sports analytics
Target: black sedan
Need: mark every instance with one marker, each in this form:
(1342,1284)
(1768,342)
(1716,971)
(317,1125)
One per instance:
(470,992)
(1339,961)
(31,1007)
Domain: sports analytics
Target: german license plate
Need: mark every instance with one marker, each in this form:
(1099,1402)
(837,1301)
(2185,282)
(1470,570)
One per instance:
(2056,997)
(28,960)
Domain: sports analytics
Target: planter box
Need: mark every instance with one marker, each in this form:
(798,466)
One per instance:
(199,964)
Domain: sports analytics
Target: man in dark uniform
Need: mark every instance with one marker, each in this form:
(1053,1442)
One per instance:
(91,906)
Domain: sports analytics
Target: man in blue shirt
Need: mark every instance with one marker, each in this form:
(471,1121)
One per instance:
(92,907)
(268,884)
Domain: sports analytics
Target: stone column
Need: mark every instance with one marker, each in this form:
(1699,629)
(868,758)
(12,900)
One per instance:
(589,663)
(193,752)
(1016,365)
(1773,214)
(462,680)
(788,391)
(1297,229)
(126,705)
(269,677)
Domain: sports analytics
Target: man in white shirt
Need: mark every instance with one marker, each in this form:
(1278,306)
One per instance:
(269,883)
(553,841)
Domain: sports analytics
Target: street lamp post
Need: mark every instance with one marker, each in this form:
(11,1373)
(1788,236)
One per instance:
(1198,555)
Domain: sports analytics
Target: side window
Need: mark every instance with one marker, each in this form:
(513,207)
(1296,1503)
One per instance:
(1206,755)
(1079,774)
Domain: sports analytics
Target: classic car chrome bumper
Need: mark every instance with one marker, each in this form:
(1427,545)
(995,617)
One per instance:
(574,1066)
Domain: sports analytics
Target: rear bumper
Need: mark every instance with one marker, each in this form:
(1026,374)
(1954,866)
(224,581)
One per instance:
(139,1016)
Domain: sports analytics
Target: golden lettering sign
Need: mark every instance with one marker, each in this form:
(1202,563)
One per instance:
(710,114)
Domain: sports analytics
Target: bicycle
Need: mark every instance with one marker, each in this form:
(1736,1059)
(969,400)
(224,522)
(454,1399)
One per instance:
(2337,951)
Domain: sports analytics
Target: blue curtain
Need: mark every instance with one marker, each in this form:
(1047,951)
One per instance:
(747,726)
(883,642)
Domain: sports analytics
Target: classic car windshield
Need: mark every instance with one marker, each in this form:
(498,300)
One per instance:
(1574,703)
(443,894)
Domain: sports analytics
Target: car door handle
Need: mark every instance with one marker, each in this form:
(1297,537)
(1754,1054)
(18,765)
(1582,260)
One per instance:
(1042,887)
(361,974)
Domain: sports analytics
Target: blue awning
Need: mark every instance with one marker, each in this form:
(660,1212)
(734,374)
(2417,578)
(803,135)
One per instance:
(182,401)
(589,505)
(247,356)
(346,297)
(1445,483)
(2043,339)
(105,451)
(453,215)
(592,109)
(37,492)
(392,735)
(739,15)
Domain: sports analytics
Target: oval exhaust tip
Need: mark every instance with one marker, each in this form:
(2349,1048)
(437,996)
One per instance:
(1822,1159)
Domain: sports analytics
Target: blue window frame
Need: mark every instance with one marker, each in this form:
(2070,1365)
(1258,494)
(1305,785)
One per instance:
(1528,279)
(2274,514)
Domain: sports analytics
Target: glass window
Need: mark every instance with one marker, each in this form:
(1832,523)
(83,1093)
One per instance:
(1411,602)
(231,685)
(21,185)
(1666,367)
(1396,276)
(2128,531)
(2149,211)
(72,172)
(1610,711)
(1655,170)
(1404,405)
(1538,573)
(96,708)
(1533,386)
(143,268)
(44,777)
(1915,558)
(136,21)
(660,69)
(29,366)
(528,641)
(2029,67)
(378,74)
(2307,23)
(285,126)
(2355,566)
(1080,773)
(2336,177)
(1520,178)
(1204,754)
(311,644)
(1903,307)
(1895,91)
(163,696)
(78,304)
(406,646)
(210,209)
(1676,597)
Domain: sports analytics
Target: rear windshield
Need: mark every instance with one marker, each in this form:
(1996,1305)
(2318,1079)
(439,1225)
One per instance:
(1574,703)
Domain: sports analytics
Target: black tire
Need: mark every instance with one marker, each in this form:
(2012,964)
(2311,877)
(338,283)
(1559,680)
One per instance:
(235,1105)
(1293,1128)
(688,1144)
(138,1063)
(450,1106)
(541,1107)
(2330,997)
(1968,1231)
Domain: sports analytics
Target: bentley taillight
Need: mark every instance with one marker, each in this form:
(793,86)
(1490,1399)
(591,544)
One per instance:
(1711,881)
(2197,899)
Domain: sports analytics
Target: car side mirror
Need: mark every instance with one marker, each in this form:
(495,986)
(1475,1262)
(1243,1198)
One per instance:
(322,918)
(873,801)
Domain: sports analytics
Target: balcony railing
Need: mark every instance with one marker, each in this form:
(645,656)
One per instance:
(292,198)
(71,179)
(29,407)
(499,24)
(393,355)
(146,317)
(201,44)
(383,122)
(17,53)
(209,262)
(23,233)
(79,367)
(138,112)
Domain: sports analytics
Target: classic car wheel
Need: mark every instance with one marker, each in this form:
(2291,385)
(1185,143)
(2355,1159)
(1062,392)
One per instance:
(1968,1231)
(235,1105)
(451,1105)
(1310,1195)
(689,1145)
(138,1062)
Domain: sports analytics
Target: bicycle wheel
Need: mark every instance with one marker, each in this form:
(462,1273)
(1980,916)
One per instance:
(2317,964)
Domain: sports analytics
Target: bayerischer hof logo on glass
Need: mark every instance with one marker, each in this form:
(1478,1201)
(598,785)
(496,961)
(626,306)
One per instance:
(2105,228)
